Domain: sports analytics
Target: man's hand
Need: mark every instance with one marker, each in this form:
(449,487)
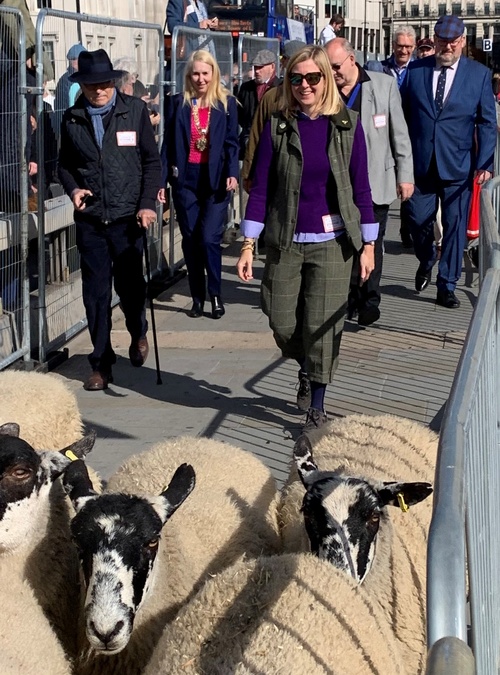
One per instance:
(405,191)
(231,183)
(78,198)
(161,197)
(146,217)
(482,176)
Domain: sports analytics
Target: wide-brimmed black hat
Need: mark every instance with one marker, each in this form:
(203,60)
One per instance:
(95,67)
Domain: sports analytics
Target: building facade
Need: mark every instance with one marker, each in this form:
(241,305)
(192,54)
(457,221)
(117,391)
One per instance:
(481,18)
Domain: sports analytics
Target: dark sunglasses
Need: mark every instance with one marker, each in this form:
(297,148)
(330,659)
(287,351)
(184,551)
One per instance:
(296,79)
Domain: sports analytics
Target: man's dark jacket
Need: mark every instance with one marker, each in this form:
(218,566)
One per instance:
(247,96)
(123,178)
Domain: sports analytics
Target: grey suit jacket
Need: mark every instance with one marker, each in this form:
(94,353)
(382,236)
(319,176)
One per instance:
(390,159)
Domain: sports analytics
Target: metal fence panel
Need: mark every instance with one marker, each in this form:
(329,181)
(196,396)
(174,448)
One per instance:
(15,152)
(466,521)
(185,41)
(139,48)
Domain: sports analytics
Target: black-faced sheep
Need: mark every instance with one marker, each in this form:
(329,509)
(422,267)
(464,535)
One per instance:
(231,513)
(43,406)
(35,541)
(290,614)
(356,471)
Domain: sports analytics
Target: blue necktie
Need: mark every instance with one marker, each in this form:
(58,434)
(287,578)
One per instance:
(441,83)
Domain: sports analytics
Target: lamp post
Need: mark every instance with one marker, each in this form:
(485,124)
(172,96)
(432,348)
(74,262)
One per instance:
(78,23)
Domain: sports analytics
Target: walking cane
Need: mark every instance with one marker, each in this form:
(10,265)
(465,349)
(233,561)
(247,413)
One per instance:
(151,307)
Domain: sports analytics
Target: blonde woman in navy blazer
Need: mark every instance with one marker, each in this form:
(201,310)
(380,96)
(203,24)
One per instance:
(200,161)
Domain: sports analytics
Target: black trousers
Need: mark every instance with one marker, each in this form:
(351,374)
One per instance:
(201,214)
(368,295)
(107,253)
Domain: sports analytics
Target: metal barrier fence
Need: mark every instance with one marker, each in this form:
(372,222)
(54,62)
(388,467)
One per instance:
(185,41)
(15,153)
(464,548)
(59,309)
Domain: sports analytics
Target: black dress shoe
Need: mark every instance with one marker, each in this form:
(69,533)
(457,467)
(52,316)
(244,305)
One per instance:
(422,280)
(217,307)
(368,315)
(196,310)
(447,299)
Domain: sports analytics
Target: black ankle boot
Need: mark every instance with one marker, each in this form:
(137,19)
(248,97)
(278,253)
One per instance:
(217,307)
(196,310)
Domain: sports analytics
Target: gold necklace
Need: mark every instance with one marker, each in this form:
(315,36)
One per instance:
(202,142)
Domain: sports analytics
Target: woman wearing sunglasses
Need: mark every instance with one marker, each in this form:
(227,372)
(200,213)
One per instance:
(311,196)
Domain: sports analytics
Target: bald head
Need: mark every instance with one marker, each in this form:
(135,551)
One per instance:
(343,62)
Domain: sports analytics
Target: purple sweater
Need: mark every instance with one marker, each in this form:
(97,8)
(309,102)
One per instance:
(318,194)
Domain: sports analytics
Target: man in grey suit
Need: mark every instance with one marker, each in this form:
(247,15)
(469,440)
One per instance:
(375,97)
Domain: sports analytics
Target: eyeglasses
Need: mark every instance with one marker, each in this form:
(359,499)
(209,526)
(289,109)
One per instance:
(338,66)
(452,43)
(296,79)
(408,47)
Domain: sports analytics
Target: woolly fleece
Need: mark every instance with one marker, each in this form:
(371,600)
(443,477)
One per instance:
(383,447)
(28,645)
(285,615)
(43,406)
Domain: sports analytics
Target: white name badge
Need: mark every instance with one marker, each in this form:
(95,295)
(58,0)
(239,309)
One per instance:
(332,223)
(189,10)
(126,138)
(379,121)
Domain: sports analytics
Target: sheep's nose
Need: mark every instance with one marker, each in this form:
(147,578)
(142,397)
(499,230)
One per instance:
(109,635)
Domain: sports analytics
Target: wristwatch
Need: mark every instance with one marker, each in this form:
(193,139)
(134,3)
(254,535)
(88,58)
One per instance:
(368,243)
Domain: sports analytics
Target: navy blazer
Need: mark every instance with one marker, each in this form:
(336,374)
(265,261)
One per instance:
(463,136)
(222,142)
(176,10)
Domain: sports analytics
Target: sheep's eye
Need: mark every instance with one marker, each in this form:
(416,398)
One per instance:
(153,543)
(374,518)
(20,473)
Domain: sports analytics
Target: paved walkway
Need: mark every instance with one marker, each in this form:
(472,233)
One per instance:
(225,379)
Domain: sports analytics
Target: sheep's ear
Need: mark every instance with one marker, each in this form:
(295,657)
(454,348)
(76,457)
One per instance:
(81,448)
(53,463)
(179,488)
(302,454)
(10,429)
(77,484)
(404,494)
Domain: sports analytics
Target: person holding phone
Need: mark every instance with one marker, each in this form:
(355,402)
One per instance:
(109,165)
(311,196)
(200,161)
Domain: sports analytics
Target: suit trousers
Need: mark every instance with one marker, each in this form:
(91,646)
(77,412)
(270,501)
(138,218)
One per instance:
(362,296)
(107,253)
(201,214)
(422,209)
(304,295)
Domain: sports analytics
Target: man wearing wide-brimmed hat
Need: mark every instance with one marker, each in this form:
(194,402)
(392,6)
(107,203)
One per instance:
(449,108)
(110,167)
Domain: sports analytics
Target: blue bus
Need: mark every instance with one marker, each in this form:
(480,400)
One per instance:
(266,18)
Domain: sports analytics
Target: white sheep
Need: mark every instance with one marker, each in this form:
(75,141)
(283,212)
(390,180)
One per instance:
(288,614)
(390,557)
(35,542)
(137,585)
(28,645)
(43,406)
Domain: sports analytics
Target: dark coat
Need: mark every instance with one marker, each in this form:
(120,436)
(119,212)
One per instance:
(463,136)
(247,97)
(123,178)
(222,148)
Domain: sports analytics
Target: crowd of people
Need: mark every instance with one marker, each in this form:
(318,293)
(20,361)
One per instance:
(325,149)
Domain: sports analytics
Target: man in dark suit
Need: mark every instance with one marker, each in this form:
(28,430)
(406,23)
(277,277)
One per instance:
(450,111)
(251,92)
